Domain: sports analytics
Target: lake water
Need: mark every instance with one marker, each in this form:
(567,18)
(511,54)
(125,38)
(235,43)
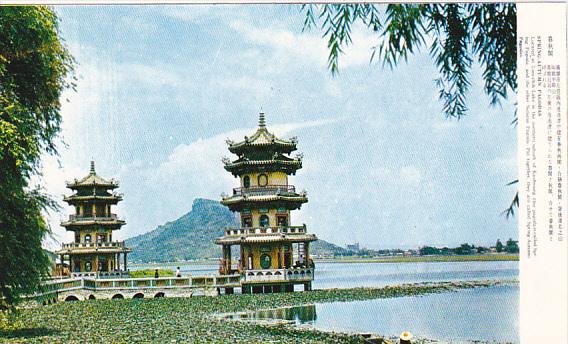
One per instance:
(487,314)
(349,275)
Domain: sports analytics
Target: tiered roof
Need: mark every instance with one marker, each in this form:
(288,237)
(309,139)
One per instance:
(263,139)
(290,201)
(93,188)
(263,151)
(92,180)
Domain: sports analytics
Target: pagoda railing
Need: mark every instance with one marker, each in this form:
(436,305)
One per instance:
(107,244)
(105,217)
(275,275)
(101,274)
(264,190)
(265,230)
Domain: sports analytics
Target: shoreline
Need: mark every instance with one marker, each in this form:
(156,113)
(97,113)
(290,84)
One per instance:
(387,259)
(185,319)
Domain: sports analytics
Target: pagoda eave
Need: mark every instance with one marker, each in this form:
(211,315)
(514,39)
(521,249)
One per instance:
(92,221)
(92,198)
(288,167)
(238,203)
(78,185)
(108,250)
(266,238)
(243,148)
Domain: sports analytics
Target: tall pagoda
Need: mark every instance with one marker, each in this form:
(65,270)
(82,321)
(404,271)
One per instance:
(274,255)
(94,253)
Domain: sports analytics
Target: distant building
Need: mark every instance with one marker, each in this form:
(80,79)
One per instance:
(273,254)
(353,247)
(93,252)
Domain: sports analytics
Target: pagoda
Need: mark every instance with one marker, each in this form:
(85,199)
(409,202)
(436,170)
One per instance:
(94,253)
(274,255)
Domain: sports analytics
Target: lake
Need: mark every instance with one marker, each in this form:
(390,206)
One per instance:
(350,275)
(487,314)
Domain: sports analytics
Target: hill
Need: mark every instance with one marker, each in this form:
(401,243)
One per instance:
(191,236)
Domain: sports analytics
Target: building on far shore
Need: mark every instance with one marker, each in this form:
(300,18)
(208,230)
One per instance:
(93,253)
(353,247)
(274,255)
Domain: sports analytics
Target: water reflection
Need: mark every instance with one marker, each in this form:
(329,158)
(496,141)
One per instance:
(298,315)
(487,314)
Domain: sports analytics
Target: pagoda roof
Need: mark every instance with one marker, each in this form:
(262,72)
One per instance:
(240,202)
(92,179)
(248,239)
(278,163)
(262,139)
(112,198)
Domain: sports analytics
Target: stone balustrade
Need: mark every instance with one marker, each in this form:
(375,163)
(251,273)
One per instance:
(101,218)
(276,275)
(91,245)
(265,190)
(265,230)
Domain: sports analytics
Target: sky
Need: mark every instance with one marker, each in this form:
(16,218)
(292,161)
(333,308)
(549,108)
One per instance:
(160,89)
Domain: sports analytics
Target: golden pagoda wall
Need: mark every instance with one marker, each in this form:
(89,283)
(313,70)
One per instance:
(274,178)
(94,233)
(84,258)
(272,215)
(274,250)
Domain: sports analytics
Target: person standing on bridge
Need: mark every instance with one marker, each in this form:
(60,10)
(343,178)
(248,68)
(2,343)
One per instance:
(156,274)
(178,272)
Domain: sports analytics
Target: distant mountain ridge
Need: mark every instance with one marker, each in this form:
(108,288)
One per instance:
(191,236)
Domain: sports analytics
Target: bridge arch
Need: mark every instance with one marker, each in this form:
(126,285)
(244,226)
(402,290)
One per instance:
(138,296)
(117,297)
(92,297)
(71,298)
(160,294)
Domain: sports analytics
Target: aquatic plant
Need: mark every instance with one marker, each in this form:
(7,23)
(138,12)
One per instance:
(193,319)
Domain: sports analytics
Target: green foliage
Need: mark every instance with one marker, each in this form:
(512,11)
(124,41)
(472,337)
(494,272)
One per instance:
(512,246)
(150,273)
(34,65)
(429,250)
(456,35)
(195,319)
(499,246)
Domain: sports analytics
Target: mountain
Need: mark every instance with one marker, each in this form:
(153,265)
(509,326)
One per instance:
(191,236)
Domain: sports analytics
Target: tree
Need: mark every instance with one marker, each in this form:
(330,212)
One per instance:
(456,35)
(34,70)
(464,249)
(512,246)
(499,246)
(428,250)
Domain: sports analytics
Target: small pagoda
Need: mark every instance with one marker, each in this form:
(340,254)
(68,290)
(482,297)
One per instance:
(274,255)
(93,253)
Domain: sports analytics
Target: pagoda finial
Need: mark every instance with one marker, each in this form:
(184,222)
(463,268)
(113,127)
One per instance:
(261,120)
(92,167)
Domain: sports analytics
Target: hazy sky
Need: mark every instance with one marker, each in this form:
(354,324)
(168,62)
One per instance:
(161,87)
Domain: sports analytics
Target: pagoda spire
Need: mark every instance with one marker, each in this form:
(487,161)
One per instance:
(92,168)
(261,120)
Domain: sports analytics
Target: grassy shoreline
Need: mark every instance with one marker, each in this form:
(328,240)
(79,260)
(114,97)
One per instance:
(426,259)
(386,259)
(195,319)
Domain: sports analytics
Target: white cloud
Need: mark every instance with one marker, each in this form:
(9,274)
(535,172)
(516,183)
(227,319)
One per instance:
(410,175)
(200,160)
(288,47)
(503,165)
